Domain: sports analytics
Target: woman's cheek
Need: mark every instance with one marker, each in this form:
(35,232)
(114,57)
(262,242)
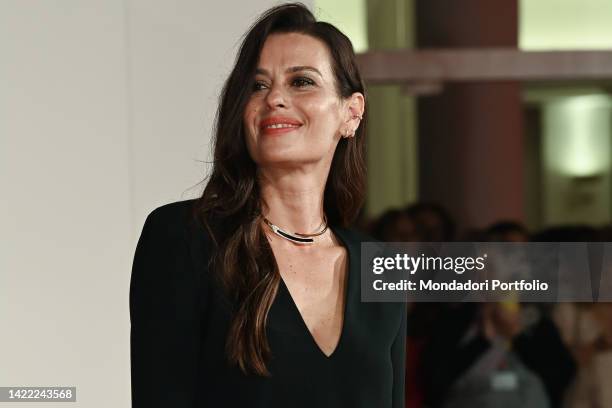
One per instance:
(317,107)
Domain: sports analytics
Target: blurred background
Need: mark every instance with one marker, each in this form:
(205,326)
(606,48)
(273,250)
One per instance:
(491,121)
(488,120)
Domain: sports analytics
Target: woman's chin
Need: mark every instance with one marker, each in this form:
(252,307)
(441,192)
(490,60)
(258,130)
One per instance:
(286,161)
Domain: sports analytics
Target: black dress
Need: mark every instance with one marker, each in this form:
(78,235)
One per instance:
(179,320)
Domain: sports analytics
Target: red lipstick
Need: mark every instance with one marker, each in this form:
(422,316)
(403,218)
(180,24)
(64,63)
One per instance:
(275,125)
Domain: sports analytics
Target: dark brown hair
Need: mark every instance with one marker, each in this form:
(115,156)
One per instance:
(230,206)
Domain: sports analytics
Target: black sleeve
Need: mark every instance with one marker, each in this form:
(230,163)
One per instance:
(398,359)
(165,323)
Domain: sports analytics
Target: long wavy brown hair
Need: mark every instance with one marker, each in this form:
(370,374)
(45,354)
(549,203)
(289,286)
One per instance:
(230,207)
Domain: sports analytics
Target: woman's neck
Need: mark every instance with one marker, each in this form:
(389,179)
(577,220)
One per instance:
(293,200)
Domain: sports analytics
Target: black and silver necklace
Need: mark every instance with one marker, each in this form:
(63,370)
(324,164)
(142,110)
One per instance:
(297,237)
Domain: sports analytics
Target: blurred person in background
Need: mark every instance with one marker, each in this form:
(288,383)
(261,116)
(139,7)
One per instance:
(433,223)
(491,354)
(395,225)
(420,222)
(507,231)
(471,359)
(586,330)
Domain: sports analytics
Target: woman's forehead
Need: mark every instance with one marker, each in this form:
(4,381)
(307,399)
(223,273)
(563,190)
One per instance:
(288,50)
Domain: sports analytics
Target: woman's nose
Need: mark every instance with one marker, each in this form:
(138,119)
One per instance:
(276,97)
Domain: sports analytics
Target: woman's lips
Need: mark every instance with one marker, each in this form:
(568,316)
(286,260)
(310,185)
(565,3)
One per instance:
(278,125)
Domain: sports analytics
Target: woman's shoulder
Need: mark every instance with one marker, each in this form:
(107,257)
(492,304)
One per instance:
(173,243)
(177,224)
(176,214)
(179,216)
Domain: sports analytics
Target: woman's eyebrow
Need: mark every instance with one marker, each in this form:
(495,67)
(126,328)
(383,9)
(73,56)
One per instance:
(304,68)
(262,71)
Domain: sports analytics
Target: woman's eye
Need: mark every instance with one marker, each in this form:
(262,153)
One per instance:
(302,82)
(258,86)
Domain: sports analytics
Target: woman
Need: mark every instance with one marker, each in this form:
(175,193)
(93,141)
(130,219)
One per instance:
(231,308)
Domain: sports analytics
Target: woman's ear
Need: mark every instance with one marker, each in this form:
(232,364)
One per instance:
(355,106)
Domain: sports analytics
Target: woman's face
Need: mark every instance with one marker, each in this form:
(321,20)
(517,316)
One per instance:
(294,115)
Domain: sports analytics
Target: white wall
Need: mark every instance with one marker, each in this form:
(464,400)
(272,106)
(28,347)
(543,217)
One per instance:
(105,108)
(180,54)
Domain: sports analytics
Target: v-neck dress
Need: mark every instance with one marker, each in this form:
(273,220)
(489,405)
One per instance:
(180,318)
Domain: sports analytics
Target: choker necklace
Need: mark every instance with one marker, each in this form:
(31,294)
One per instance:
(297,237)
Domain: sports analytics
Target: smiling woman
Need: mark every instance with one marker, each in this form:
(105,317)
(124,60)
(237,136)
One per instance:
(229,306)
(294,94)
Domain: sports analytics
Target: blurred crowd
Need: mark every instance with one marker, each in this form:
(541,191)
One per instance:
(504,354)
